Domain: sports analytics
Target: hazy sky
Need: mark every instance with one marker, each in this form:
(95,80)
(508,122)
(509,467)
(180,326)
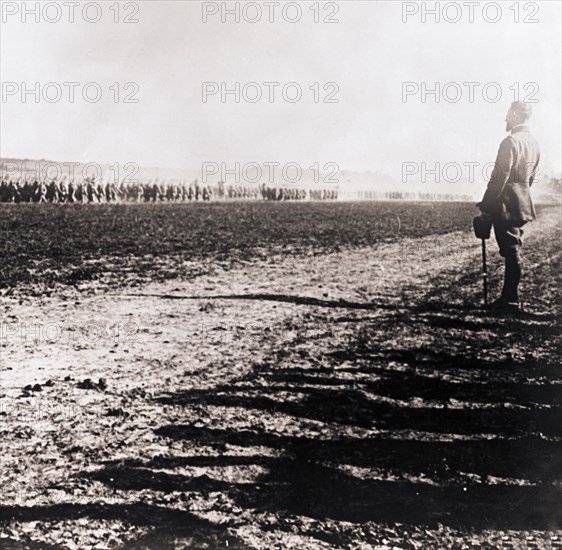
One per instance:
(369,54)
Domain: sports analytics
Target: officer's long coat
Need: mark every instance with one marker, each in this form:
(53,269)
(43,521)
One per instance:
(507,197)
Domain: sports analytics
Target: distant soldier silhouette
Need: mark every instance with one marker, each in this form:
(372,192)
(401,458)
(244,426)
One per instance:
(63,191)
(71,191)
(41,193)
(507,200)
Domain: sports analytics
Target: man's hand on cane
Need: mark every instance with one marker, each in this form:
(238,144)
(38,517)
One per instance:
(482,229)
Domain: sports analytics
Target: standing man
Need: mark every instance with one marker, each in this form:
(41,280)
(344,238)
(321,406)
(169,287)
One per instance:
(507,200)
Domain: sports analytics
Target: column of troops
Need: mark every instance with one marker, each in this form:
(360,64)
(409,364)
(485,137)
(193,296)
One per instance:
(90,191)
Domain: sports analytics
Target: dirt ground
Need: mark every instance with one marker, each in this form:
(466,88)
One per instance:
(353,399)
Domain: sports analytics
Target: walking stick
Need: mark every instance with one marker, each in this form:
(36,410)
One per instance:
(482,230)
(484,272)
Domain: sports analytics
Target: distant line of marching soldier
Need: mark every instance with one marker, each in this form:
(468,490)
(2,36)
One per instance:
(91,191)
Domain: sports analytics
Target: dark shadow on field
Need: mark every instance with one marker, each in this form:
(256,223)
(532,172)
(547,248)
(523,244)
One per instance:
(306,479)
(364,404)
(456,437)
(281,298)
(431,305)
(454,440)
(168,525)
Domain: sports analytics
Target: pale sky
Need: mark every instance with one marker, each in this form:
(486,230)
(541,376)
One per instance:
(370,53)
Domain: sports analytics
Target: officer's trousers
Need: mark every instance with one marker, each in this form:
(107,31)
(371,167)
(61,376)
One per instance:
(510,241)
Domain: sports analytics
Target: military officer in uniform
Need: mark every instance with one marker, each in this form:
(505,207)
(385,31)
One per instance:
(507,201)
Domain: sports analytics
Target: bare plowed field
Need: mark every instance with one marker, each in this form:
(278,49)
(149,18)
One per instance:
(275,376)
